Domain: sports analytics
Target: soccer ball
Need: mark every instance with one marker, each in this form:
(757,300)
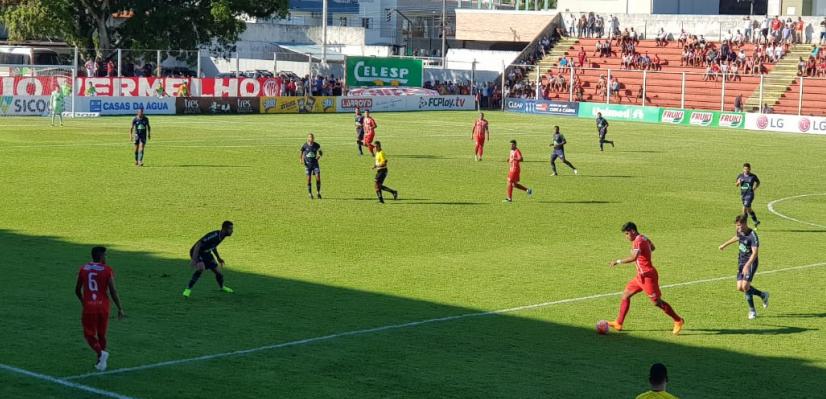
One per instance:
(602,327)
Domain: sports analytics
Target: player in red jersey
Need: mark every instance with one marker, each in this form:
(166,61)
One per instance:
(94,281)
(369,132)
(480,135)
(646,280)
(514,161)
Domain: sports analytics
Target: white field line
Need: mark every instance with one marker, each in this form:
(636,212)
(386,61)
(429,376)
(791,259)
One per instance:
(772,210)
(407,325)
(63,382)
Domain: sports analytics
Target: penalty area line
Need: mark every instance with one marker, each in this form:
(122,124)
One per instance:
(409,325)
(59,381)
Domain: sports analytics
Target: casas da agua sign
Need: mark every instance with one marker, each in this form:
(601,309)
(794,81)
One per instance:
(383,71)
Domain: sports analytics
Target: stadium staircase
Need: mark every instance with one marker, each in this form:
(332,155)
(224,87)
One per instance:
(551,58)
(781,83)
(662,89)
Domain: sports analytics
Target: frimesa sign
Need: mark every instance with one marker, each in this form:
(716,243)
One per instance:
(383,71)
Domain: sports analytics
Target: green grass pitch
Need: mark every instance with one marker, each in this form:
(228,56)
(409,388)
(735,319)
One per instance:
(305,269)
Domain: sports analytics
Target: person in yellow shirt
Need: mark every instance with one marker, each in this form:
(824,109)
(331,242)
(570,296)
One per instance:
(658,377)
(381,173)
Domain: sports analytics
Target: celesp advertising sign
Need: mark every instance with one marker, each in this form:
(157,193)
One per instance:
(786,123)
(125,105)
(383,71)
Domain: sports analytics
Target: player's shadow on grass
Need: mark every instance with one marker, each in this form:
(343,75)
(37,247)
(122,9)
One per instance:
(197,166)
(327,340)
(608,176)
(387,198)
(425,156)
(459,203)
(799,231)
(775,330)
(583,202)
(798,315)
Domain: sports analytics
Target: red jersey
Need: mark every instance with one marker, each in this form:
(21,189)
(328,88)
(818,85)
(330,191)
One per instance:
(514,160)
(643,245)
(95,278)
(369,125)
(479,129)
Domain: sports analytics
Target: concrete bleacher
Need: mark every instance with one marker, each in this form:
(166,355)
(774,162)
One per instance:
(814,95)
(663,89)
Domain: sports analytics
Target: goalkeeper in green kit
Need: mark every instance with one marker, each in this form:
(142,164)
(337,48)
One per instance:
(56,105)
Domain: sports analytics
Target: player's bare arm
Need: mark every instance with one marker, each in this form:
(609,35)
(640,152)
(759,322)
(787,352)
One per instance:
(630,259)
(730,241)
(113,292)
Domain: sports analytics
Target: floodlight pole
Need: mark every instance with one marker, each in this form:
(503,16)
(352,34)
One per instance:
(324,32)
(444,34)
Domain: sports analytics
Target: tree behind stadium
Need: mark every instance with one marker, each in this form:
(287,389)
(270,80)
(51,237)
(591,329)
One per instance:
(134,24)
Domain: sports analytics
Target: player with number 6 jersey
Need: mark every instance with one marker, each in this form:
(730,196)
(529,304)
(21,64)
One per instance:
(95,283)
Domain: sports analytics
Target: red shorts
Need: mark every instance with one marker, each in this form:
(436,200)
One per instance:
(95,323)
(368,138)
(649,283)
(513,176)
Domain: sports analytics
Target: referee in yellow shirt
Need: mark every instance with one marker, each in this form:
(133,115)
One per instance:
(381,174)
(658,377)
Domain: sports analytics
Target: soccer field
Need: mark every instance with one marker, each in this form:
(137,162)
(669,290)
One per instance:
(446,292)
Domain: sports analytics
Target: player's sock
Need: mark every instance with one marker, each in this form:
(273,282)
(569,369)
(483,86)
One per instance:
(750,300)
(194,279)
(140,156)
(310,188)
(753,216)
(570,165)
(601,143)
(219,277)
(670,311)
(610,142)
(136,156)
(378,195)
(361,152)
(553,166)
(755,291)
(625,306)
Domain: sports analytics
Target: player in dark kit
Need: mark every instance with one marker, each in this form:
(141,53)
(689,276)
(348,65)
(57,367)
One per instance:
(95,284)
(747,262)
(381,174)
(359,130)
(201,255)
(310,155)
(602,129)
(748,182)
(140,133)
(558,145)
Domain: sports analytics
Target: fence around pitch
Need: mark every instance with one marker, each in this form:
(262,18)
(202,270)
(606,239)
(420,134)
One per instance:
(691,90)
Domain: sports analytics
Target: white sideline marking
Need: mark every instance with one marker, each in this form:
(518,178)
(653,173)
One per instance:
(63,382)
(771,209)
(407,325)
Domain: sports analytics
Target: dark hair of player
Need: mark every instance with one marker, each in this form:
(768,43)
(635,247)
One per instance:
(747,165)
(556,129)
(377,144)
(742,219)
(658,374)
(630,226)
(513,142)
(227,224)
(97,253)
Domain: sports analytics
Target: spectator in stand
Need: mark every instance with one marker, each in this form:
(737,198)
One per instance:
(787,30)
(747,28)
(599,26)
(764,29)
(634,36)
(110,69)
(579,91)
(598,49)
(662,38)
(615,89)
(91,68)
(582,58)
(601,87)
(738,102)
(776,28)
(562,64)
(801,67)
(822,39)
(590,27)
(798,30)
(682,41)
(657,63)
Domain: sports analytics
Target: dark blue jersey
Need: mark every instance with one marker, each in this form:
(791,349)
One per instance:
(311,153)
(748,183)
(208,242)
(141,125)
(602,124)
(559,142)
(746,242)
(359,122)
